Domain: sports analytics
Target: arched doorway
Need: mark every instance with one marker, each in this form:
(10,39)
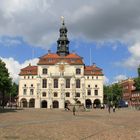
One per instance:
(55,104)
(88,103)
(32,103)
(44,104)
(23,102)
(97,103)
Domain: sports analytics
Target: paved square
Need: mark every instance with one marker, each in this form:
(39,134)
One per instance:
(45,124)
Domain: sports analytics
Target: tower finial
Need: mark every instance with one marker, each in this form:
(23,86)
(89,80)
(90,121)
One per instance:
(62,19)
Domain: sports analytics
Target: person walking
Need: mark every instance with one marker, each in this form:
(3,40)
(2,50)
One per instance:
(109,108)
(74,109)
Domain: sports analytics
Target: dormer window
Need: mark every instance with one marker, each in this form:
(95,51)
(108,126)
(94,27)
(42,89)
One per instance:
(44,71)
(78,71)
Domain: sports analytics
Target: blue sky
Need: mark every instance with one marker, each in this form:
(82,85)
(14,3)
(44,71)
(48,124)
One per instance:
(28,28)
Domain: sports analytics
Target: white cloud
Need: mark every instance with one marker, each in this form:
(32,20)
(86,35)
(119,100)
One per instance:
(135,50)
(14,66)
(134,60)
(9,41)
(120,78)
(38,21)
(106,80)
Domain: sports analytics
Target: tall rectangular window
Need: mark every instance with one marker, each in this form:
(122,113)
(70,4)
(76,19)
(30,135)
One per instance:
(67,83)
(96,92)
(24,91)
(89,92)
(55,83)
(31,91)
(77,83)
(44,83)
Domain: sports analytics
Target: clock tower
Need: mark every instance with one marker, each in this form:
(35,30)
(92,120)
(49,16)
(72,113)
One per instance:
(63,42)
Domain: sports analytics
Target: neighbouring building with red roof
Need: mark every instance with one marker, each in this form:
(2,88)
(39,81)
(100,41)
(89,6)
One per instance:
(60,78)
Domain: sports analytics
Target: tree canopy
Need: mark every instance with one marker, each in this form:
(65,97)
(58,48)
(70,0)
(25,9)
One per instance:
(112,93)
(5,81)
(137,83)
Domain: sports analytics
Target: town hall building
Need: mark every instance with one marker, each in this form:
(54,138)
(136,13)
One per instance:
(60,78)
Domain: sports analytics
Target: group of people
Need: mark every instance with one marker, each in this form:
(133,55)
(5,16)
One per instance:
(109,109)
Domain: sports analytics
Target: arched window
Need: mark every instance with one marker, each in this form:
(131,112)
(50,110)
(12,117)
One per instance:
(77,94)
(77,83)
(67,83)
(55,94)
(67,94)
(44,71)
(44,83)
(55,83)
(78,71)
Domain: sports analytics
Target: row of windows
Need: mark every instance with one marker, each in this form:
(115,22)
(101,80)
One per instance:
(56,94)
(92,77)
(45,71)
(89,92)
(67,94)
(55,83)
(30,86)
(95,86)
(28,77)
(25,91)
(44,83)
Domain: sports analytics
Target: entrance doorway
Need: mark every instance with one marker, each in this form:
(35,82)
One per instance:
(32,103)
(44,104)
(97,103)
(55,104)
(88,103)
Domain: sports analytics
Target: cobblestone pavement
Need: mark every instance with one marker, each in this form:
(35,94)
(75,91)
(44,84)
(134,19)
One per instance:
(46,124)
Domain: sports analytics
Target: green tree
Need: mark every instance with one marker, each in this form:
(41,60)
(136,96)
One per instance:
(137,83)
(5,82)
(112,93)
(14,90)
(116,93)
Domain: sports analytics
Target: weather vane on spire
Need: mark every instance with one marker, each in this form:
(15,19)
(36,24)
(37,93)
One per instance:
(62,19)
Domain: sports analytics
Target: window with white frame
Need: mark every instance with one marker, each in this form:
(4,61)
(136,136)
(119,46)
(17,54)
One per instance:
(43,94)
(31,91)
(96,92)
(44,71)
(44,83)
(24,91)
(89,92)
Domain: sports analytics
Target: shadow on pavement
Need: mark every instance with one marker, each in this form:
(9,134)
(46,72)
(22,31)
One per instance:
(6,110)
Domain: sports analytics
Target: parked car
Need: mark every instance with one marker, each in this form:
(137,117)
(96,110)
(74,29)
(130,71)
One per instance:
(122,103)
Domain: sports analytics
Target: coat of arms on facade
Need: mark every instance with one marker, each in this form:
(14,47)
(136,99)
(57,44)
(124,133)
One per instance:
(61,67)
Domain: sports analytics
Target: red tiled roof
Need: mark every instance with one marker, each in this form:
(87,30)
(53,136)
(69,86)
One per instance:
(92,70)
(51,59)
(29,70)
(73,55)
(50,55)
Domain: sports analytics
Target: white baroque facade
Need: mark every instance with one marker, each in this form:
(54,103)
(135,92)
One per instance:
(59,78)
